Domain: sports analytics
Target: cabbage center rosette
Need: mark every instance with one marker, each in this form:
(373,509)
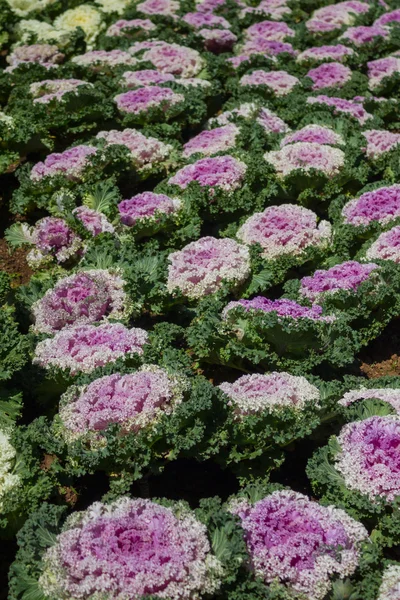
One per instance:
(272,334)
(315,54)
(53,239)
(83,348)
(146,208)
(386,246)
(379,142)
(94,221)
(360,466)
(213,141)
(70,163)
(147,153)
(270,30)
(346,276)
(135,79)
(299,543)
(365,294)
(47,55)
(340,106)
(224,172)
(201,267)
(316,134)
(334,16)
(368,458)
(381,205)
(150,101)
(331,74)
(286,229)
(306,157)
(48,90)
(131,548)
(103,60)
(379,71)
(169,58)
(127,28)
(280,83)
(133,401)
(82,298)
(221,183)
(283,308)
(253,394)
(365,35)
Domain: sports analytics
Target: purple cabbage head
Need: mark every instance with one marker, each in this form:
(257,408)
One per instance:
(346,276)
(283,308)
(257,393)
(146,206)
(83,348)
(369,459)
(134,401)
(224,172)
(201,267)
(130,549)
(85,297)
(299,543)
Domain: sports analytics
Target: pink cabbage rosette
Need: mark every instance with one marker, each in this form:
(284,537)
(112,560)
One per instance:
(53,238)
(346,276)
(386,246)
(133,401)
(316,134)
(169,58)
(124,27)
(381,205)
(224,172)
(272,392)
(368,459)
(334,16)
(306,156)
(390,585)
(379,142)
(70,163)
(365,35)
(353,108)
(286,229)
(201,267)
(381,68)
(212,141)
(83,348)
(270,30)
(131,548)
(285,310)
(85,297)
(142,100)
(47,55)
(48,90)
(146,152)
(94,221)
(147,206)
(337,52)
(280,83)
(299,543)
(98,60)
(331,74)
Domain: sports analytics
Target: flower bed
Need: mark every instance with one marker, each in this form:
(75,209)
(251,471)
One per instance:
(200,259)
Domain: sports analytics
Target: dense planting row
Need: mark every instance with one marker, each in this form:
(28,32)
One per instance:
(208,195)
